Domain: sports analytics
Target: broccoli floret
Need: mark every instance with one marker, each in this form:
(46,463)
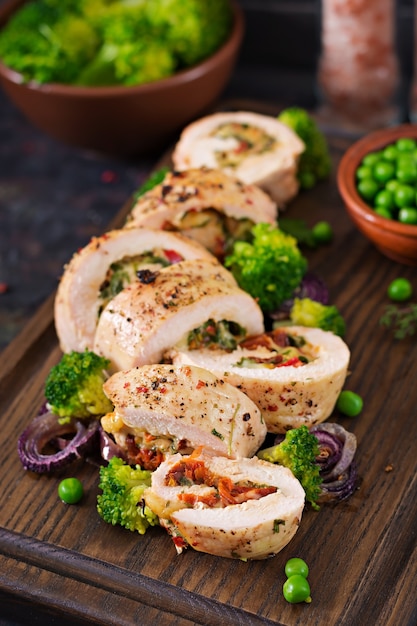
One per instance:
(269,267)
(77,39)
(121,501)
(307,312)
(193,29)
(74,387)
(23,47)
(142,61)
(299,451)
(133,51)
(48,42)
(315,163)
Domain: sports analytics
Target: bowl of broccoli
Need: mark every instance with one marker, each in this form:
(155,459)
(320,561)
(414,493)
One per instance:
(120,77)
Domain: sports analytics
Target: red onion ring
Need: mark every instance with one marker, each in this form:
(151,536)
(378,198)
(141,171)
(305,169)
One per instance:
(341,488)
(44,429)
(338,468)
(330,451)
(342,437)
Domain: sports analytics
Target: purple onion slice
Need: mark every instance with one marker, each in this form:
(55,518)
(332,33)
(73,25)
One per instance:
(311,286)
(340,436)
(45,429)
(340,488)
(338,468)
(330,450)
(108,447)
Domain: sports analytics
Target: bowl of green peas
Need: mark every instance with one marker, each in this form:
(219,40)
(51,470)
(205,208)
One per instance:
(377,180)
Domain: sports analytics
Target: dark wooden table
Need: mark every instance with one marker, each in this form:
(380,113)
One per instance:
(63,564)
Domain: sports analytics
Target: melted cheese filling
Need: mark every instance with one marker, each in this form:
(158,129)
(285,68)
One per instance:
(140,446)
(212,229)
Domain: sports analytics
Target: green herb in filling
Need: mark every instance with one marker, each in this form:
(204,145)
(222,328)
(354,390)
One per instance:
(225,335)
(249,139)
(277,524)
(124,272)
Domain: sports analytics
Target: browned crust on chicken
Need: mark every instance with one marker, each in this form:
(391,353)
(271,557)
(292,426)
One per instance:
(198,189)
(146,319)
(77,301)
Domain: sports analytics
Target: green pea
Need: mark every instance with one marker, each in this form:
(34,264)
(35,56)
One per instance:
(371,158)
(390,153)
(383,212)
(307,180)
(392,185)
(400,290)
(383,171)
(384,199)
(406,173)
(407,215)
(406,144)
(405,158)
(364,171)
(70,490)
(296,566)
(404,196)
(349,403)
(322,232)
(368,188)
(296,589)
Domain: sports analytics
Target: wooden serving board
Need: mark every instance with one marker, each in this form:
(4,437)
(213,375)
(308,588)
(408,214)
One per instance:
(64,562)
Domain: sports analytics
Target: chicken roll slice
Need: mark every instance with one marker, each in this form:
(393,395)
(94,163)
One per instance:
(163,409)
(294,374)
(192,302)
(243,509)
(205,204)
(101,269)
(257,149)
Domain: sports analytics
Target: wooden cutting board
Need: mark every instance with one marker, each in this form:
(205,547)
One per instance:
(64,562)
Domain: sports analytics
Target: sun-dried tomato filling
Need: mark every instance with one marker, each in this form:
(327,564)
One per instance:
(190,471)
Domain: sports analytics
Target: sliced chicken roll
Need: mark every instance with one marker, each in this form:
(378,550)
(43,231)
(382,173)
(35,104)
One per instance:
(97,272)
(294,374)
(163,409)
(190,303)
(257,149)
(205,204)
(243,509)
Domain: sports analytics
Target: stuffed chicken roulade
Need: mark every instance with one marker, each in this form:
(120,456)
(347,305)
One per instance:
(257,149)
(97,272)
(243,509)
(190,303)
(162,409)
(294,374)
(206,205)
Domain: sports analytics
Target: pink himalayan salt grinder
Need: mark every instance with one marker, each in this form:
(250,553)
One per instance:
(358,72)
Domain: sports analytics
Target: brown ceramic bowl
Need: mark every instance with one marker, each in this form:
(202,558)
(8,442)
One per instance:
(124,121)
(395,240)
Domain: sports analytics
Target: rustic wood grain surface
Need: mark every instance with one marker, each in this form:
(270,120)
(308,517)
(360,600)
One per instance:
(66,561)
